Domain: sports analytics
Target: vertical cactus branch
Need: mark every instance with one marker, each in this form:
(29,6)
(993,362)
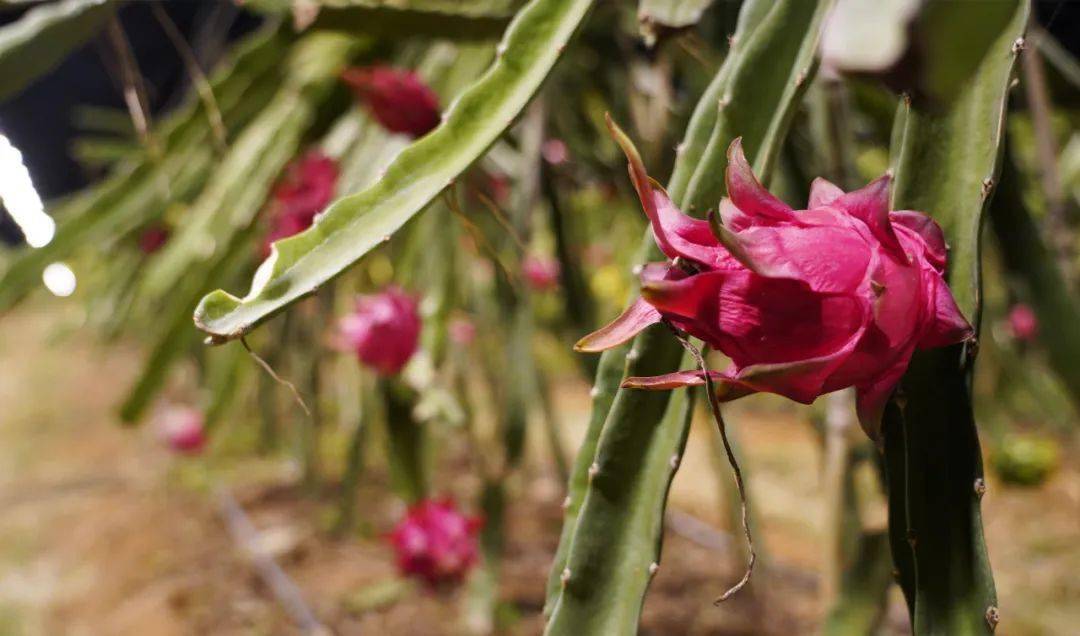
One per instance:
(946,161)
(604,565)
(405,441)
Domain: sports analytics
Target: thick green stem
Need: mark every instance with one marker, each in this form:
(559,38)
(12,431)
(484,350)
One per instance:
(405,442)
(946,161)
(614,546)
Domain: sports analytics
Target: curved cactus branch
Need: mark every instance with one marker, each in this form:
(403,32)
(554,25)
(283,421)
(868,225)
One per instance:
(355,224)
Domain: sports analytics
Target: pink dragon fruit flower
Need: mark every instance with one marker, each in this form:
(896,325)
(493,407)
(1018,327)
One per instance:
(182,429)
(554,151)
(383,331)
(435,543)
(462,331)
(302,192)
(399,100)
(153,238)
(541,273)
(1023,324)
(804,302)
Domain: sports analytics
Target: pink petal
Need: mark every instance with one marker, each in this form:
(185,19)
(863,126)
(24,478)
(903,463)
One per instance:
(823,192)
(947,323)
(827,258)
(754,319)
(676,233)
(800,380)
(636,317)
(870,204)
(680,235)
(870,399)
(746,191)
(927,230)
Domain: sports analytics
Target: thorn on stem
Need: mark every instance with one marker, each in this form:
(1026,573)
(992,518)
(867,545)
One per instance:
(980,487)
(993,617)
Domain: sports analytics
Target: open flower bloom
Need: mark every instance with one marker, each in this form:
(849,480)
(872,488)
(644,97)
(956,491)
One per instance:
(436,543)
(804,302)
(383,331)
(397,99)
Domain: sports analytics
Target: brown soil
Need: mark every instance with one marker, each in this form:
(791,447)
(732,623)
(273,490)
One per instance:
(104,533)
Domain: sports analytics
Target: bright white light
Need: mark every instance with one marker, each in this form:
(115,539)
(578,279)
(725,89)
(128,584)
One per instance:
(21,199)
(59,279)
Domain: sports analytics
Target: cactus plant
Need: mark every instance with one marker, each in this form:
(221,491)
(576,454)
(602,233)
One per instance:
(605,564)
(946,161)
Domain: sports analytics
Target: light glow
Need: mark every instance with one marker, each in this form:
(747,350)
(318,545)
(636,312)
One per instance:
(21,199)
(59,279)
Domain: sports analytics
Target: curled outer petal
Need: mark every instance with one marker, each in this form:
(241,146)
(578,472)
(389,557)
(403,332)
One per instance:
(632,321)
(823,192)
(747,193)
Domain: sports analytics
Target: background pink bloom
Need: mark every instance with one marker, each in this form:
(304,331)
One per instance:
(804,302)
(383,331)
(555,151)
(305,189)
(397,99)
(436,543)
(182,429)
(462,331)
(1023,324)
(153,238)
(541,273)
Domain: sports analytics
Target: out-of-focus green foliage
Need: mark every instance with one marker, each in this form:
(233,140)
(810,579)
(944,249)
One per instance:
(34,44)
(355,224)
(140,188)
(1025,459)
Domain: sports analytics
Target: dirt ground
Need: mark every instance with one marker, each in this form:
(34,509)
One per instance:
(102,532)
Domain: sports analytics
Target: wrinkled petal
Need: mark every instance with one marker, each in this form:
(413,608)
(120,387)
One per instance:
(636,318)
(747,193)
(680,235)
(823,192)
(801,380)
(947,323)
(928,231)
(870,204)
(757,320)
(826,258)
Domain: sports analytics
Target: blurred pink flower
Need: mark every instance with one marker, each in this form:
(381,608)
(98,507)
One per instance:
(153,238)
(541,273)
(462,331)
(397,99)
(1023,324)
(436,543)
(554,151)
(803,302)
(304,190)
(181,428)
(383,331)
